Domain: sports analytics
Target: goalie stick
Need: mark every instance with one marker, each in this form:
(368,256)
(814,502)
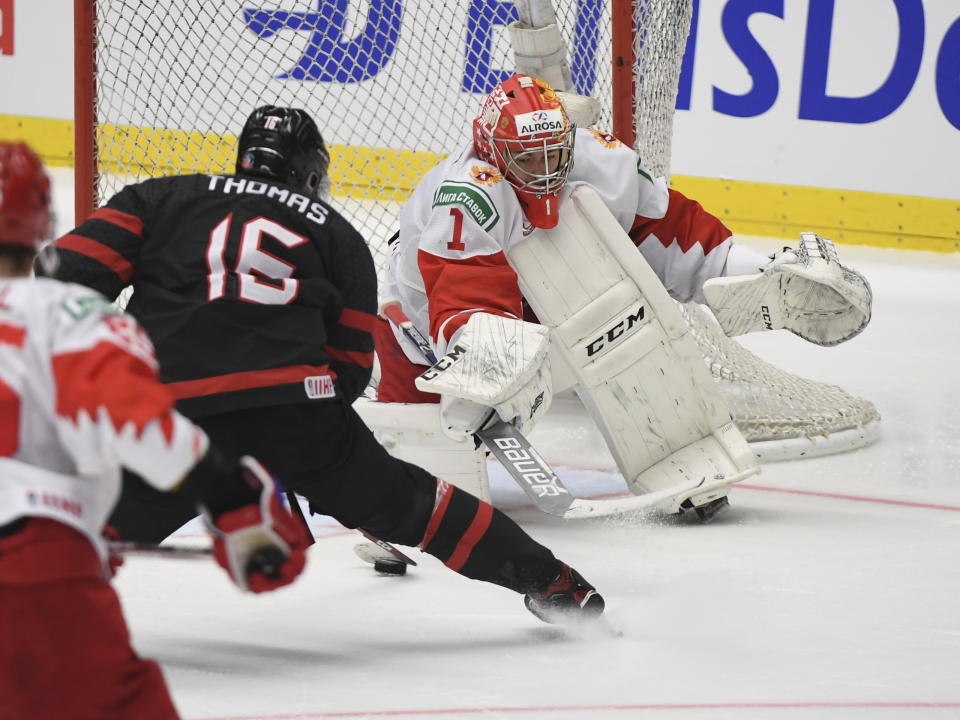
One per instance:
(524,464)
(508,445)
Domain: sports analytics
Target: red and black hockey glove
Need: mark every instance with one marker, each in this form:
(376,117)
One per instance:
(260,544)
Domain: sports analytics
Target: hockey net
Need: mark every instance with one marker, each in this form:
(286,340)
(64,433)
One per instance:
(163,86)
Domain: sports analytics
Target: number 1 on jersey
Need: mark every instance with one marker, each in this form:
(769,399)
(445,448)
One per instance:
(456,243)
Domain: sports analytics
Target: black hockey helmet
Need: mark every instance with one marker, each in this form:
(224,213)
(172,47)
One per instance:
(284,144)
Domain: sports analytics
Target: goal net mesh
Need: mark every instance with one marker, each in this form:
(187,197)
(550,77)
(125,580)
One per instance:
(394,86)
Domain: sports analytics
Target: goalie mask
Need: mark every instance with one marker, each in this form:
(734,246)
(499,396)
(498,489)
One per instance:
(25,217)
(524,131)
(284,144)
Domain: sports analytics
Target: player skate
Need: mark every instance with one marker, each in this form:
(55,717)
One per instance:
(568,599)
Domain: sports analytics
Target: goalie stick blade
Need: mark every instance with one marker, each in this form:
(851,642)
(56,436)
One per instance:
(600,508)
(527,467)
(385,552)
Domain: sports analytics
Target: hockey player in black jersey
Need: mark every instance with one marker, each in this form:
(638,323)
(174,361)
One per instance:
(260,299)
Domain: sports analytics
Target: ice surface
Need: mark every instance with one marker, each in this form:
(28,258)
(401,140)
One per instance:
(829,589)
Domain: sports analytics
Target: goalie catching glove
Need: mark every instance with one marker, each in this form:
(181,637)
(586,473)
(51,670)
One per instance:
(260,544)
(495,366)
(806,291)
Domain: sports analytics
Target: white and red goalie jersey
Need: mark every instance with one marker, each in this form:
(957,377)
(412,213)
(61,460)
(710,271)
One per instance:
(79,399)
(455,231)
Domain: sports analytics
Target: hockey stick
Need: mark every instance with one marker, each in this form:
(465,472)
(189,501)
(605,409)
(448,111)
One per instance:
(527,467)
(386,554)
(391,310)
(384,545)
(123,547)
(384,557)
(388,559)
(298,511)
(508,445)
(542,485)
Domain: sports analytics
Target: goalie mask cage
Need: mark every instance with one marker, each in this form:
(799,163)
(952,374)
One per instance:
(163,86)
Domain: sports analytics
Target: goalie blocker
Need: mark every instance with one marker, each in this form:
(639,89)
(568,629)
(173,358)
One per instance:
(494,363)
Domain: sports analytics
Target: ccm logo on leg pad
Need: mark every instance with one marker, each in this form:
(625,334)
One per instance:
(615,332)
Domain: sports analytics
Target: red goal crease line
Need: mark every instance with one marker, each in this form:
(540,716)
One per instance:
(856,498)
(840,496)
(788,491)
(604,708)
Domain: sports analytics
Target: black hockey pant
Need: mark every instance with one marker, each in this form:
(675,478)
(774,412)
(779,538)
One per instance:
(325,453)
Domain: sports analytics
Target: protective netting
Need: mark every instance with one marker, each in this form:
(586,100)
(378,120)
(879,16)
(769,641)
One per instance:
(662,30)
(394,87)
(769,403)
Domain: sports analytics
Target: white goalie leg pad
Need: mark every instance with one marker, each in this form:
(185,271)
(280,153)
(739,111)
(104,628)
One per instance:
(412,432)
(539,50)
(636,367)
(807,291)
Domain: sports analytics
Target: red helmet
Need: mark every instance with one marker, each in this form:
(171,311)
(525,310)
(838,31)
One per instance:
(25,219)
(524,131)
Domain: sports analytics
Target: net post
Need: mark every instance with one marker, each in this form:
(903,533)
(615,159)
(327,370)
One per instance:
(624,60)
(84,89)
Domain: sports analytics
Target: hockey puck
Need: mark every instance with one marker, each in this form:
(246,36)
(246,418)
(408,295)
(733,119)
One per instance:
(267,561)
(390,567)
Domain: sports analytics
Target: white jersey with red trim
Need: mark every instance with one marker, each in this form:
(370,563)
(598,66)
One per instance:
(79,398)
(463,217)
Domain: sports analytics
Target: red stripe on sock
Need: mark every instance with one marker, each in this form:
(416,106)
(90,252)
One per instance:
(477,529)
(444,491)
